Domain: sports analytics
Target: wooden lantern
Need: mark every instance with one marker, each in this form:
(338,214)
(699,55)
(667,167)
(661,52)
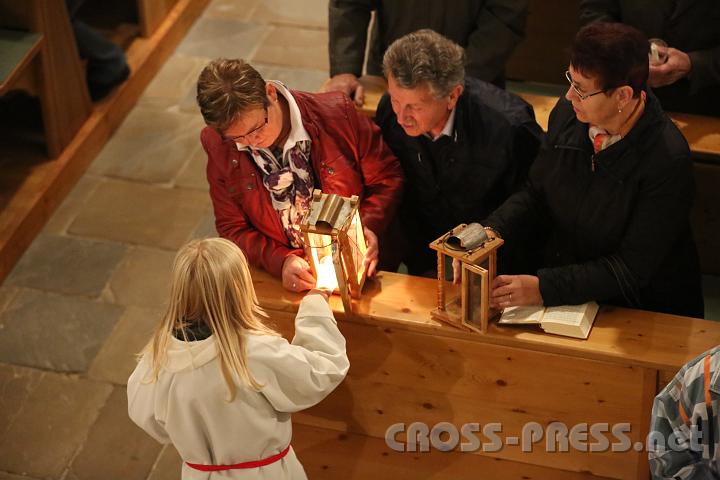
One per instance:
(466,305)
(335,243)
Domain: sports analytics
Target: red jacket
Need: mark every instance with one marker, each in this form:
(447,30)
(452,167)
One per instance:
(348,156)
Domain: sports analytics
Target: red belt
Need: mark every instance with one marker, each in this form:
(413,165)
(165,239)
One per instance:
(253,464)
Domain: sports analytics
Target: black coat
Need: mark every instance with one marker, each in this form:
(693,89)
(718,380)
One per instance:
(692,26)
(619,234)
(489,30)
(463,178)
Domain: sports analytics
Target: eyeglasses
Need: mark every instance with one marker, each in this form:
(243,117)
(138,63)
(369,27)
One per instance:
(243,138)
(575,89)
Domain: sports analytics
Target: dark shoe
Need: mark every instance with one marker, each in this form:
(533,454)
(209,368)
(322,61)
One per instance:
(100,90)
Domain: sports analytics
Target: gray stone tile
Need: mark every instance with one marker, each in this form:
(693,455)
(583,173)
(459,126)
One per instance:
(193,173)
(296,78)
(10,476)
(231,9)
(142,279)
(168,466)
(68,265)
(117,357)
(16,385)
(7,294)
(56,332)
(64,215)
(294,47)
(206,228)
(222,37)
(51,426)
(141,214)
(174,80)
(304,13)
(115,446)
(151,146)
(188,104)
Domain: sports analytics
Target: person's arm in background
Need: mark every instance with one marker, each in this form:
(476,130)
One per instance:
(347,28)
(701,67)
(503,21)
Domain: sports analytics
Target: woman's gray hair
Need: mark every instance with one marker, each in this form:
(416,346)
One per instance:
(427,58)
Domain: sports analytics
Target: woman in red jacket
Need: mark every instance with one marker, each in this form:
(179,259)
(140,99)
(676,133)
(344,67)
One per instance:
(269,147)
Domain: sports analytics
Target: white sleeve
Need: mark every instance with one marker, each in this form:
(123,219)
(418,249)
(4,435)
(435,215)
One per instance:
(300,374)
(141,402)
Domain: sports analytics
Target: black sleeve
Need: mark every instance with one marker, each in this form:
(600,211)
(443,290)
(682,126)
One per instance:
(347,29)
(660,217)
(599,11)
(503,21)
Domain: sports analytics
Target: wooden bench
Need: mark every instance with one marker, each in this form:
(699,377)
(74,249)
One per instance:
(51,69)
(407,368)
(152,13)
(20,50)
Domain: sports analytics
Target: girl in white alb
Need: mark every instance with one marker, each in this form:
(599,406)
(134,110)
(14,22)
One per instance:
(219,384)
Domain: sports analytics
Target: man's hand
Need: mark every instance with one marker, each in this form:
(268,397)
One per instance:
(348,84)
(678,65)
(296,274)
(372,253)
(515,290)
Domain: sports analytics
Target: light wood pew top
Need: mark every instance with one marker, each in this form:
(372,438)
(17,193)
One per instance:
(620,335)
(701,132)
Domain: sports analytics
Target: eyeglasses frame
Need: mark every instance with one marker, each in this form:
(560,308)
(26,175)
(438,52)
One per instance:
(256,130)
(577,92)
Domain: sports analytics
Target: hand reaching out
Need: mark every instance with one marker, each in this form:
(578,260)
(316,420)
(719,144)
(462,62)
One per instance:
(348,84)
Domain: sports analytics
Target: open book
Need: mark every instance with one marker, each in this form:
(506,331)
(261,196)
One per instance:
(569,320)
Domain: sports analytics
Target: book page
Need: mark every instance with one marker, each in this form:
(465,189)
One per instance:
(566,314)
(522,315)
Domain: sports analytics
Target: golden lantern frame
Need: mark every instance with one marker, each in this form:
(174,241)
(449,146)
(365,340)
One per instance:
(333,227)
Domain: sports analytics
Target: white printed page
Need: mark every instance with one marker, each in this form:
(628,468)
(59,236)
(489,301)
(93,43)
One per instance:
(566,314)
(522,315)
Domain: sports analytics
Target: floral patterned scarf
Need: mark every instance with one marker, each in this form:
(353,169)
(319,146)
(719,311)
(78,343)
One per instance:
(289,179)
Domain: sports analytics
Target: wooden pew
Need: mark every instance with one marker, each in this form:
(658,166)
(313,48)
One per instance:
(54,72)
(20,50)
(152,13)
(408,368)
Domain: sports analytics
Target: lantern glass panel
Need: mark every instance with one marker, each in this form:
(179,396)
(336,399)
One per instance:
(453,293)
(321,248)
(356,237)
(474,278)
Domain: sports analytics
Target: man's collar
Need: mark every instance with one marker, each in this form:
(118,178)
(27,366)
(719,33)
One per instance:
(449,128)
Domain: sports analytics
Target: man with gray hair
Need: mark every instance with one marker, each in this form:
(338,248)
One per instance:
(464,144)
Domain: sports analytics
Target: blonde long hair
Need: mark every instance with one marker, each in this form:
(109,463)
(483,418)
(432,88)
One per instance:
(211,284)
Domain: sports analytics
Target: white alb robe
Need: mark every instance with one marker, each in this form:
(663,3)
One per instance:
(188,406)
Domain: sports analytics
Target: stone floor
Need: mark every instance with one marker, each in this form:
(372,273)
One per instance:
(85,296)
